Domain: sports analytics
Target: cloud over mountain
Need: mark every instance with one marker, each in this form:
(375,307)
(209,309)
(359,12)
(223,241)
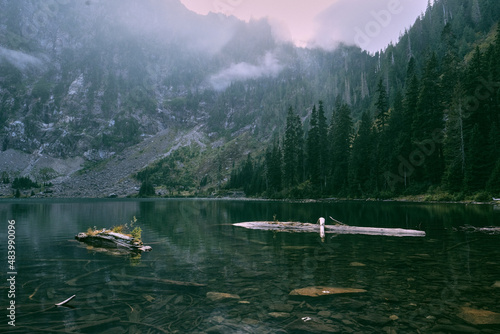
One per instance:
(367,24)
(19,59)
(267,66)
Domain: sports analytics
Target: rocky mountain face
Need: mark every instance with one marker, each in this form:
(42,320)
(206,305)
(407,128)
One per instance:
(93,91)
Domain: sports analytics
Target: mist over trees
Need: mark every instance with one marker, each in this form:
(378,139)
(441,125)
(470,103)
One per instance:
(431,125)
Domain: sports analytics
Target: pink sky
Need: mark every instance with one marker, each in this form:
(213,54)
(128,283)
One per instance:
(372,24)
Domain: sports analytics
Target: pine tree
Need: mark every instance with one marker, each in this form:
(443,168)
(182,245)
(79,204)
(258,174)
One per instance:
(324,151)
(340,142)
(360,162)
(477,169)
(454,141)
(293,151)
(313,149)
(493,185)
(405,140)
(381,107)
(147,189)
(274,169)
(392,144)
(428,126)
(477,125)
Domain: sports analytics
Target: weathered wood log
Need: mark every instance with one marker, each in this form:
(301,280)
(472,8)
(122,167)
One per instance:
(110,239)
(487,229)
(338,229)
(65,301)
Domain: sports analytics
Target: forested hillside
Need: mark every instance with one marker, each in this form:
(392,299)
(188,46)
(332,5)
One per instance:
(99,97)
(431,126)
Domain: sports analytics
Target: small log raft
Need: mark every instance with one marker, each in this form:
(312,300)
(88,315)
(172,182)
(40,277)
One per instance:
(110,239)
(337,229)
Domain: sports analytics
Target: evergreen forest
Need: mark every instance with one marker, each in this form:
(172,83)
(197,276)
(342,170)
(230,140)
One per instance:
(433,129)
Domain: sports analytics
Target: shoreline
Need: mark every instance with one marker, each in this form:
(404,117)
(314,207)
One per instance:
(411,200)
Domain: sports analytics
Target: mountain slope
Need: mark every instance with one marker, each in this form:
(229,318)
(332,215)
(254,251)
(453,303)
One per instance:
(111,87)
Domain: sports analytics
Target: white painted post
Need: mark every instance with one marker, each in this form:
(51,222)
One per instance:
(322,227)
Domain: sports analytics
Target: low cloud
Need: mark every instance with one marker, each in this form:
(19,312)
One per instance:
(269,66)
(19,59)
(372,25)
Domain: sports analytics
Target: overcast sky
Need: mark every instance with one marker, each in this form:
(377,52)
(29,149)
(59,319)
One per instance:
(371,24)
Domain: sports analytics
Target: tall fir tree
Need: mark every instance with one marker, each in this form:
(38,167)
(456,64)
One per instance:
(394,141)
(428,124)
(340,142)
(405,141)
(293,150)
(274,169)
(360,162)
(454,141)
(381,107)
(313,150)
(477,125)
(324,151)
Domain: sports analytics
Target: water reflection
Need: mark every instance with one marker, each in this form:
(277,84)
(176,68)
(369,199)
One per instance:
(205,275)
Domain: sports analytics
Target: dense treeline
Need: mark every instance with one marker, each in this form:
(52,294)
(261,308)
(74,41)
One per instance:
(437,133)
(24,182)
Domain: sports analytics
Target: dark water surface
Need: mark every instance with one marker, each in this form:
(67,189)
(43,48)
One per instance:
(413,285)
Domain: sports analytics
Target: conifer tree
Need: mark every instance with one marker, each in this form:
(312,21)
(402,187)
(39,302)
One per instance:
(313,149)
(274,169)
(477,169)
(340,141)
(381,107)
(324,152)
(293,151)
(404,141)
(477,125)
(392,143)
(428,126)
(454,141)
(493,185)
(360,159)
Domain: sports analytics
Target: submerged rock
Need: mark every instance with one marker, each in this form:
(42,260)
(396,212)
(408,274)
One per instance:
(479,317)
(281,307)
(316,291)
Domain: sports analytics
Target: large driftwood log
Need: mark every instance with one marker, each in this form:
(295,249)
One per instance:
(338,229)
(107,238)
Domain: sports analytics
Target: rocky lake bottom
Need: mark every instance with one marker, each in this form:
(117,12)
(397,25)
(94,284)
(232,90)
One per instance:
(205,275)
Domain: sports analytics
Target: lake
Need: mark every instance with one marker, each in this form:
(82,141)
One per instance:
(444,282)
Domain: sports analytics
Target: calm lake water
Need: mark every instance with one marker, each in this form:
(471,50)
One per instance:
(413,284)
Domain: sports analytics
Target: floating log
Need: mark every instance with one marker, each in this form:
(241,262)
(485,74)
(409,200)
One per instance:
(337,229)
(110,239)
(487,229)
